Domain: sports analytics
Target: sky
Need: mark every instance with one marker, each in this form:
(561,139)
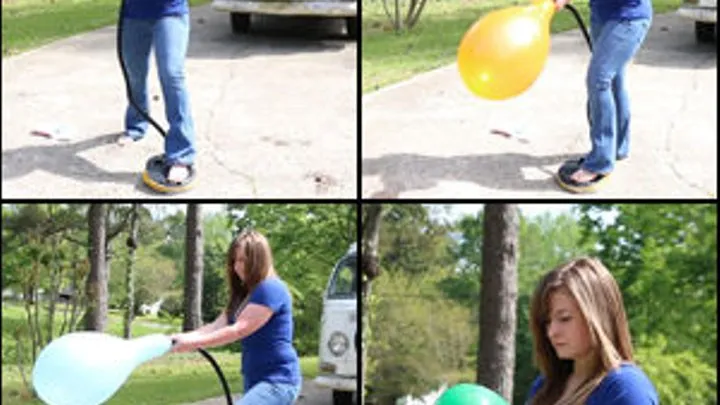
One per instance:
(457,211)
(162,210)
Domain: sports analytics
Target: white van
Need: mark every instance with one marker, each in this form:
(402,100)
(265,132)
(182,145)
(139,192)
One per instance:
(339,338)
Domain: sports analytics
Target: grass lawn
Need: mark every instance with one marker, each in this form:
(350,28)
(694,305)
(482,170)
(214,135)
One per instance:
(171,379)
(388,57)
(28,24)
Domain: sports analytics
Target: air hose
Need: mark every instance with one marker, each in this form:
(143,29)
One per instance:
(585,33)
(219,373)
(580,23)
(121,23)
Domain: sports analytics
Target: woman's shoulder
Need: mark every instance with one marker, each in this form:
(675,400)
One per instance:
(274,285)
(627,372)
(535,387)
(626,384)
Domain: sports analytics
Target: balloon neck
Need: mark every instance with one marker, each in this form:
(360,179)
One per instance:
(546,8)
(149,347)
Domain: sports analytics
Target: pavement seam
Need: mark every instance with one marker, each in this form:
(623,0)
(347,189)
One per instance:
(250,179)
(671,161)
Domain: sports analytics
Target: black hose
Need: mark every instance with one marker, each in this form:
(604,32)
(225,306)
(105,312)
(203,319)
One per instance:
(121,21)
(219,373)
(580,23)
(584,30)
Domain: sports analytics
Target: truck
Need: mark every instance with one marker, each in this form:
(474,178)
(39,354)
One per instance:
(339,339)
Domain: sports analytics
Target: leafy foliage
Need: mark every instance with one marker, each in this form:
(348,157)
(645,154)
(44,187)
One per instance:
(654,252)
(420,339)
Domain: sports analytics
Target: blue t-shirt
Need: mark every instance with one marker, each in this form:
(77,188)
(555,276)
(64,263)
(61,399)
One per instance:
(606,10)
(626,385)
(152,9)
(268,354)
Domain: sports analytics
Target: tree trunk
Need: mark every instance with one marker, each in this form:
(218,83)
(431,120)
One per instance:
(498,298)
(369,263)
(97,281)
(193,268)
(130,274)
(371,239)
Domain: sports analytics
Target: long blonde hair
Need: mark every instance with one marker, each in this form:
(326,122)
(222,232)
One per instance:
(597,295)
(258,265)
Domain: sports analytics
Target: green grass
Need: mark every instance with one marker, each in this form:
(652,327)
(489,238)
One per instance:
(28,24)
(171,379)
(388,57)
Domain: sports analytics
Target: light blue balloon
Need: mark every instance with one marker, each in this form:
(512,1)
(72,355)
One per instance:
(87,368)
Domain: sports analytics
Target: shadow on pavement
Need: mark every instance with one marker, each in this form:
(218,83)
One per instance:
(63,159)
(405,172)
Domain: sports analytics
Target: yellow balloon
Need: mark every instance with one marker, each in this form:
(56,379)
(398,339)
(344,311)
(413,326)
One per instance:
(503,53)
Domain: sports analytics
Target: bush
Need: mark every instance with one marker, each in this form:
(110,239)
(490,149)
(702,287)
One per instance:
(680,378)
(173,304)
(418,341)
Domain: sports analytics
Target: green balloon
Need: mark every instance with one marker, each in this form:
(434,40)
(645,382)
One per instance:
(470,394)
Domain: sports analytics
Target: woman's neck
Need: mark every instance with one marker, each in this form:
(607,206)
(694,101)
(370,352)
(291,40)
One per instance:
(584,367)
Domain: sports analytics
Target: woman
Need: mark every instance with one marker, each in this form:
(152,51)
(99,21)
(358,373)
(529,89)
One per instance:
(165,26)
(259,313)
(582,341)
(617,29)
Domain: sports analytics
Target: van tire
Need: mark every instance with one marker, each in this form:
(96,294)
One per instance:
(704,32)
(240,23)
(351,25)
(342,397)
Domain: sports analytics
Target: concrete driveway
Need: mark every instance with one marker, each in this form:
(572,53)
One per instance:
(430,138)
(275,114)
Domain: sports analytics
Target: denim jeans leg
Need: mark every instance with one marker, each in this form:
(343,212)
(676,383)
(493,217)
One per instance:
(171,42)
(615,42)
(136,44)
(265,393)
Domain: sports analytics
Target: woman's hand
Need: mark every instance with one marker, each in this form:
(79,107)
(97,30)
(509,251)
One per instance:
(559,4)
(182,343)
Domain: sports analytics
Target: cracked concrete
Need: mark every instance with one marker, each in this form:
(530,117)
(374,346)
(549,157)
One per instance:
(271,109)
(430,138)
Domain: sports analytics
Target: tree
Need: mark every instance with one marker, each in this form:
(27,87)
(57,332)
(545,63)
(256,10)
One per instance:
(660,251)
(370,269)
(97,280)
(496,354)
(399,22)
(130,273)
(193,268)
(413,241)
(370,240)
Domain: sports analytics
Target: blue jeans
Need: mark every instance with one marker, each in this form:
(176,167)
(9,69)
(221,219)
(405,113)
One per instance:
(169,37)
(615,42)
(265,393)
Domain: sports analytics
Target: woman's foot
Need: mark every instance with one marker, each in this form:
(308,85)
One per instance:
(178,173)
(580,180)
(124,140)
(583,176)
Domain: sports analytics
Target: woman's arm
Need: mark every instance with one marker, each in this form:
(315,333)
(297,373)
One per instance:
(252,318)
(219,322)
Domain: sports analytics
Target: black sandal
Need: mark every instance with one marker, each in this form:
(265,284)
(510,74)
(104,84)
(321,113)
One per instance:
(571,166)
(156,176)
(565,180)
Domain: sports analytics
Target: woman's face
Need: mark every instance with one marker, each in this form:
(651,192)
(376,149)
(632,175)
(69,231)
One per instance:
(239,265)
(566,328)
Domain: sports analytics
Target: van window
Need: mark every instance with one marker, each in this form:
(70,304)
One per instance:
(344,282)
